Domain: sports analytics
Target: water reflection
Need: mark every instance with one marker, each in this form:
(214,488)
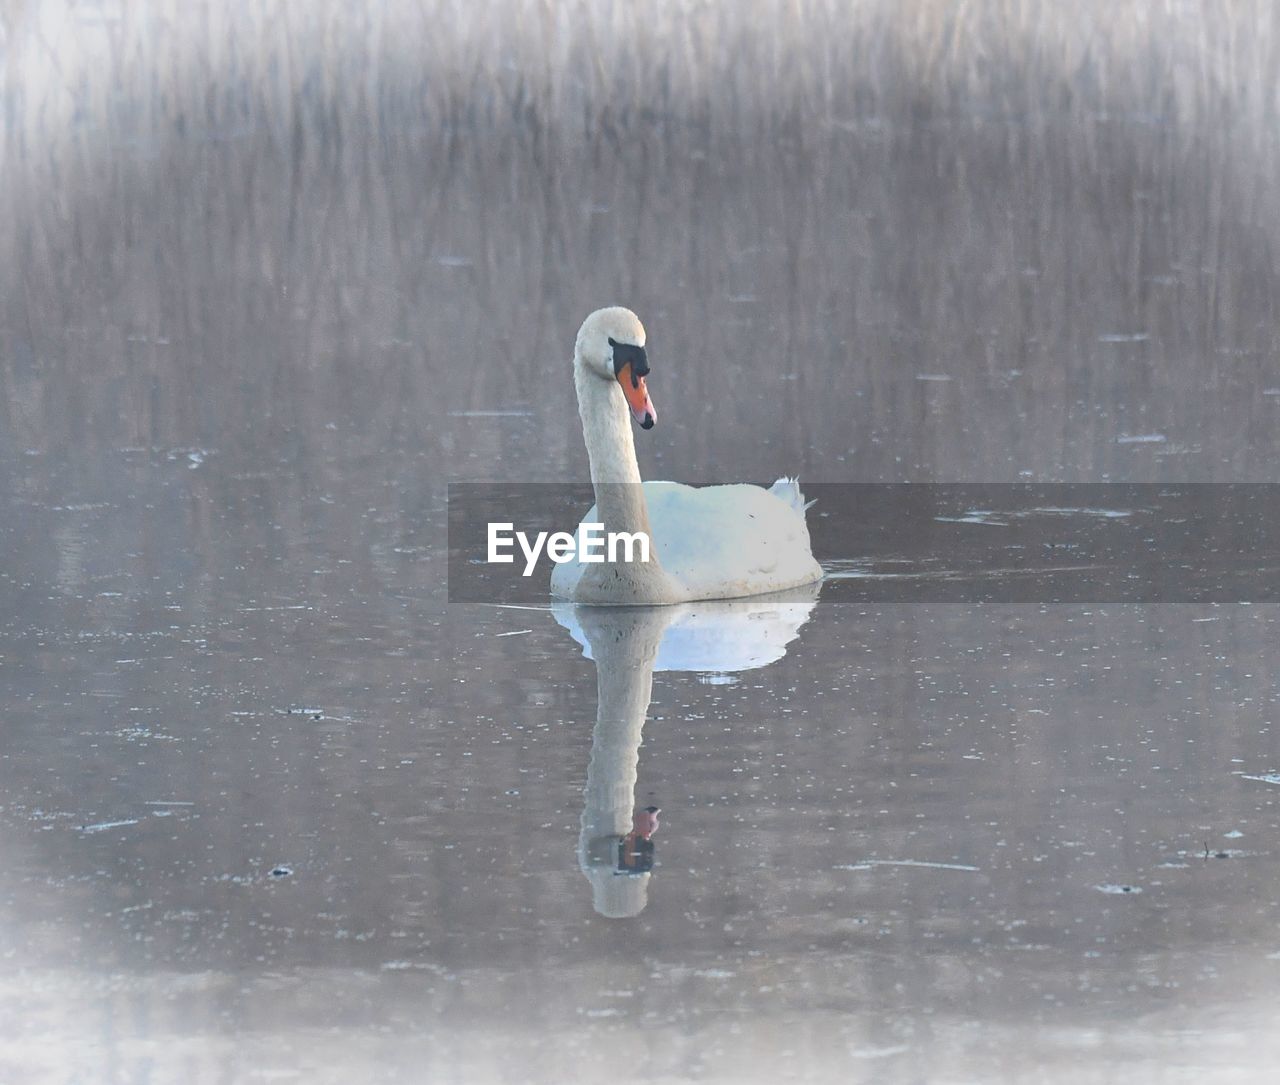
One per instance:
(615,847)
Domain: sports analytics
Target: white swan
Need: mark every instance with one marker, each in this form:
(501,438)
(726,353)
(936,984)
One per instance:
(711,542)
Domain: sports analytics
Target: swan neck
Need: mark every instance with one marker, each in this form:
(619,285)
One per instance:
(615,472)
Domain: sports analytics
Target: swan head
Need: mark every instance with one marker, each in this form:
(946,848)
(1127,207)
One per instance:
(611,346)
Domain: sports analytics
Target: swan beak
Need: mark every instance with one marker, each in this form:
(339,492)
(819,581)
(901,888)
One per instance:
(642,409)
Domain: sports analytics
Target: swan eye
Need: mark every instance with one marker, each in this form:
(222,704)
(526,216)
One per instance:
(629,353)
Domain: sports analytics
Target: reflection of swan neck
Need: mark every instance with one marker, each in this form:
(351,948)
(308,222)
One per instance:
(615,749)
(625,647)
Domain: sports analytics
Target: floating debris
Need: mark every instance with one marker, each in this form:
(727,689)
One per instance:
(1001,517)
(974,516)
(1055,510)
(866,864)
(194,456)
(878,1052)
(102,826)
(302,710)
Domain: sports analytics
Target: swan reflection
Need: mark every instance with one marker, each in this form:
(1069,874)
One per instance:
(616,848)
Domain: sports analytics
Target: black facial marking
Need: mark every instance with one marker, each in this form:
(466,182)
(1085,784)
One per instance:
(628,352)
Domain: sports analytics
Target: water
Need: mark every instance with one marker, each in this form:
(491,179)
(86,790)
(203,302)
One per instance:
(273,808)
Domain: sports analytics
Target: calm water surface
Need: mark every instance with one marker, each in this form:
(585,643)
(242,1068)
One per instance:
(271,808)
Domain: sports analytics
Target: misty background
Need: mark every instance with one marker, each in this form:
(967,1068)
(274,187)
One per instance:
(226,223)
(273,274)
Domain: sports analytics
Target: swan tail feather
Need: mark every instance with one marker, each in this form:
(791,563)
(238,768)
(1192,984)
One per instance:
(788,490)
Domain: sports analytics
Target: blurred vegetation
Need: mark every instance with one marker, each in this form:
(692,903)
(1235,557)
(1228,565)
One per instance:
(227,222)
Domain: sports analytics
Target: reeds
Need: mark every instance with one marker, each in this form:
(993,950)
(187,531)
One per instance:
(128,73)
(343,209)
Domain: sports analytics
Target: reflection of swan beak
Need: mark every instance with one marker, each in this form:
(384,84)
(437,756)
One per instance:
(645,822)
(642,409)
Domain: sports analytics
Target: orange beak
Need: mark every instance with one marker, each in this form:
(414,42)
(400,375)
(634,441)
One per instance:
(642,409)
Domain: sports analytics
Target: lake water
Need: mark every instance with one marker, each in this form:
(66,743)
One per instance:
(273,808)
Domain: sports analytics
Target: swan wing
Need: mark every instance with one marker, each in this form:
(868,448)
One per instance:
(728,541)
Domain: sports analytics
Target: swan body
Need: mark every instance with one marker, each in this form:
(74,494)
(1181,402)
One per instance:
(710,542)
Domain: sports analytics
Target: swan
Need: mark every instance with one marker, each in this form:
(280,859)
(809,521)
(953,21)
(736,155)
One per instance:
(709,542)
